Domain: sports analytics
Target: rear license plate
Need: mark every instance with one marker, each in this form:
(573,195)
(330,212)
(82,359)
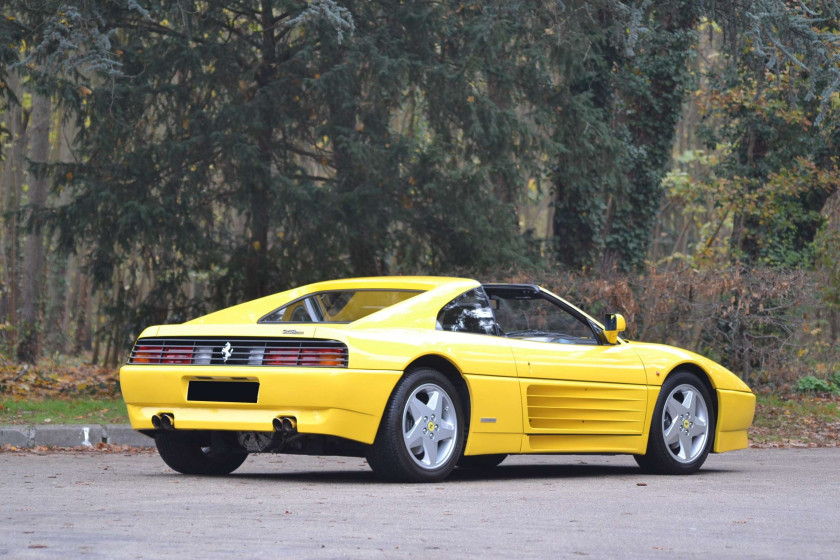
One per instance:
(223,391)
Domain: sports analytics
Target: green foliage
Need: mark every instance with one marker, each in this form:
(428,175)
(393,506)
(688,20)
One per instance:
(778,174)
(11,33)
(652,88)
(221,153)
(774,106)
(61,411)
(811,384)
(779,36)
(626,99)
(587,174)
(826,249)
(356,140)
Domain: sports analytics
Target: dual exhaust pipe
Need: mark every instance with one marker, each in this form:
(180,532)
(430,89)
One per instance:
(283,424)
(163,421)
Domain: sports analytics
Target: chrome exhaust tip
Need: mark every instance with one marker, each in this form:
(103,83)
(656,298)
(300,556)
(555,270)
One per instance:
(167,421)
(163,421)
(284,424)
(289,425)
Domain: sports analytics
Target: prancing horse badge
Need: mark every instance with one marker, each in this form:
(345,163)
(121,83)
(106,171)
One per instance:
(227,351)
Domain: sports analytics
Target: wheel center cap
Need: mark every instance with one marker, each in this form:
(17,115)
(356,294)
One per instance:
(431,426)
(686,424)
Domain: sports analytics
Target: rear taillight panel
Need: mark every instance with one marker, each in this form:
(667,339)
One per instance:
(242,352)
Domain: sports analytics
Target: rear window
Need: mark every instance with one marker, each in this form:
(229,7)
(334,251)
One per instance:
(340,306)
(470,312)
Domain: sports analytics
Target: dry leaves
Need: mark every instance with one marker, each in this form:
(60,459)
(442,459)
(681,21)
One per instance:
(97,448)
(796,421)
(51,379)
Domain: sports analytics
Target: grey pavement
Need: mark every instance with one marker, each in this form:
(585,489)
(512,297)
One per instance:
(72,435)
(755,503)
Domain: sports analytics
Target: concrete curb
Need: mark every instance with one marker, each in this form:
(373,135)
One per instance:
(72,435)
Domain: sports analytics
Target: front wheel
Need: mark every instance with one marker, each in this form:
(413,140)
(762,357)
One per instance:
(188,453)
(421,434)
(682,429)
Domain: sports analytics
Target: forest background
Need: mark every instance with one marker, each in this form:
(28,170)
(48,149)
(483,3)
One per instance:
(675,161)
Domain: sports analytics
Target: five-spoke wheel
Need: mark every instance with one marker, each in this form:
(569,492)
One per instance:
(421,434)
(682,429)
(685,423)
(429,426)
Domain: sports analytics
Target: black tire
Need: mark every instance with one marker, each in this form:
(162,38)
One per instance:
(404,445)
(481,462)
(192,454)
(680,437)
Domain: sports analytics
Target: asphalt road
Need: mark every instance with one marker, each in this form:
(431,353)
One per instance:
(746,504)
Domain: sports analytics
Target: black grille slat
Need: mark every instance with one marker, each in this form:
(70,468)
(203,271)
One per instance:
(240,351)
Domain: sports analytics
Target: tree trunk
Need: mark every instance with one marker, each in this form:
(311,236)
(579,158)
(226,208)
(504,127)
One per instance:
(83,310)
(56,300)
(362,216)
(256,271)
(33,257)
(18,119)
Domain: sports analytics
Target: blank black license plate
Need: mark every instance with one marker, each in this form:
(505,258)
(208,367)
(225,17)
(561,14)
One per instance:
(223,391)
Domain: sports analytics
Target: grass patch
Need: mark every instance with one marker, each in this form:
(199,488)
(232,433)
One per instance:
(796,419)
(63,411)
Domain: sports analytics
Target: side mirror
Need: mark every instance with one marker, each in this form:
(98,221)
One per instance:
(613,325)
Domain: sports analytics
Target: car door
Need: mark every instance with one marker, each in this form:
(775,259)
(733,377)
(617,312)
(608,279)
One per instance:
(486,362)
(570,382)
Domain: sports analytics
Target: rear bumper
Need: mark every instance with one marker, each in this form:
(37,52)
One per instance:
(735,415)
(330,401)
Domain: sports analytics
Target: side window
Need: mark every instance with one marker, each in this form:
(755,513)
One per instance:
(470,312)
(540,319)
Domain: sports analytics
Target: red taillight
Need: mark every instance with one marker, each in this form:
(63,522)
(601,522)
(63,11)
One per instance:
(280,357)
(162,355)
(321,357)
(177,355)
(305,357)
(147,355)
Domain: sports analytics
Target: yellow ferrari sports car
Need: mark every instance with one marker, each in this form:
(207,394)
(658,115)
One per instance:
(421,375)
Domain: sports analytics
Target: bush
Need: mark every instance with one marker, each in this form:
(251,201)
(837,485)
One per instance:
(811,384)
(766,325)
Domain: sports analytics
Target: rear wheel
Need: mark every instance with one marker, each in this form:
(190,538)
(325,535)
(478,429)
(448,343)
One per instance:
(421,434)
(192,454)
(682,429)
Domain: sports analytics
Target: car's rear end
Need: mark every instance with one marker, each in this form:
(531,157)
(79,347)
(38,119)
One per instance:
(246,383)
(279,373)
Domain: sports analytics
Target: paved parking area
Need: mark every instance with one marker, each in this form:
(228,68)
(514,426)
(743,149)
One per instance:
(746,504)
